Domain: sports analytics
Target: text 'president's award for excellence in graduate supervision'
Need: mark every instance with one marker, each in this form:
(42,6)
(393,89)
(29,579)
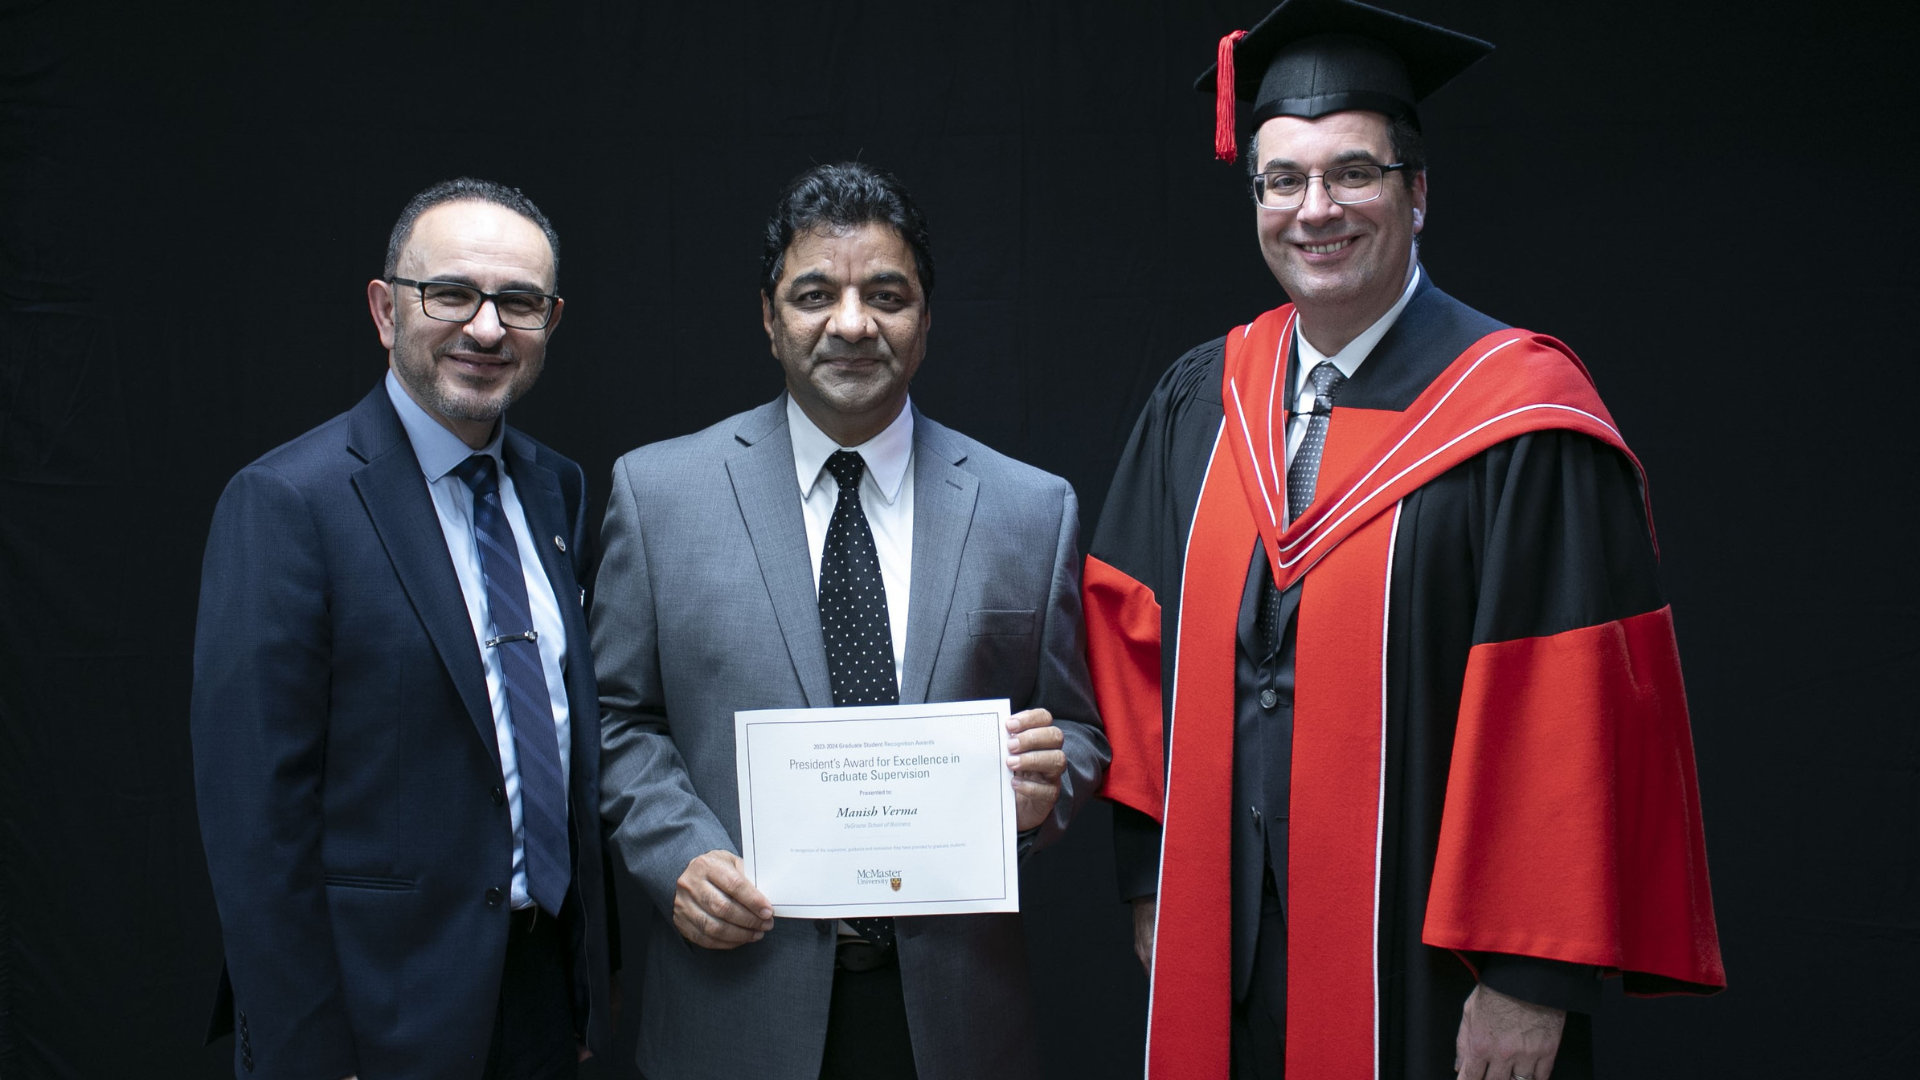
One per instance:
(878,809)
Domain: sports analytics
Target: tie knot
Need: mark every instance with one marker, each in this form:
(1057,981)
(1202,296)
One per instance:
(1325,378)
(477,472)
(846,467)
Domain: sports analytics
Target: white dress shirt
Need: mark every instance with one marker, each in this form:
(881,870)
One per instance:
(886,494)
(1348,360)
(439,451)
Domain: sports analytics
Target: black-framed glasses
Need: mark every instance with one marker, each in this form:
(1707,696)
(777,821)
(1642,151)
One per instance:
(1348,185)
(450,301)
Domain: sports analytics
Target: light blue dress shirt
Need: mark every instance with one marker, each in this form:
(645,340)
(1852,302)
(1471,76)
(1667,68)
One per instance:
(439,451)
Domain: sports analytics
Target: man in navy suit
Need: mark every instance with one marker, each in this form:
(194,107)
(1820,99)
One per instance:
(395,725)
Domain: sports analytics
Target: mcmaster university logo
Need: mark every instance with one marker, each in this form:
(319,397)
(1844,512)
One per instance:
(892,878)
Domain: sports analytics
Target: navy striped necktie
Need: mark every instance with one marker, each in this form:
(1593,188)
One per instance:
(543,787)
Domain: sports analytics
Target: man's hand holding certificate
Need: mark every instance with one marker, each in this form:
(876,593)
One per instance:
(897,810)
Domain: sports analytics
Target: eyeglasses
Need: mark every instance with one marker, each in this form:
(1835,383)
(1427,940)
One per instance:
(450,301)
(1348,185)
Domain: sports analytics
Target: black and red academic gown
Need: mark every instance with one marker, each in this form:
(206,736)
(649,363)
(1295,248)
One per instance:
(1489,755)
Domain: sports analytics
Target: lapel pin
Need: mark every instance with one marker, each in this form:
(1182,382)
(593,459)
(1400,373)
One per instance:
(561,544)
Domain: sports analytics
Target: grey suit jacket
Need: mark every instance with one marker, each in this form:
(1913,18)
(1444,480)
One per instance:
(705,605)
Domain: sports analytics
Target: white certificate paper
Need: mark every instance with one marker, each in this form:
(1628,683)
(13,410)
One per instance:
(878,809)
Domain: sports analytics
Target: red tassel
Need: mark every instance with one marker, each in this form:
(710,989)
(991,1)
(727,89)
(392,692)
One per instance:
(1223,146)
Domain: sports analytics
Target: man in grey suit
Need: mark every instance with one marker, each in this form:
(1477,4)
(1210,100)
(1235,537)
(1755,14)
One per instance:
(731,555)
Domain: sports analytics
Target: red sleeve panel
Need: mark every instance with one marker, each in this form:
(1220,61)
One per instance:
(1572,824)
(1123,656)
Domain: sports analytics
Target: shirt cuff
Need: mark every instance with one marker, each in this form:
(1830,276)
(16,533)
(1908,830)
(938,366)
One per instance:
(1553,983)
(1136,853)
(1023,843)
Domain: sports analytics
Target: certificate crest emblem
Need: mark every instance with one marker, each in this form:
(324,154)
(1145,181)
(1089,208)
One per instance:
(894,881)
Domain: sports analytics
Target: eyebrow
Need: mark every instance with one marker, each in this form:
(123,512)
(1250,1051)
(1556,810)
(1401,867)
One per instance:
(819,277)
(1344,157)
(1356,157)
(811,277)
(517,285)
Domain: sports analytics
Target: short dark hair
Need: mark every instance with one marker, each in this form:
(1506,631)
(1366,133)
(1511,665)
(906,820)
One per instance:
(1404,138)
(843,197)
(1409,146)
(464,189)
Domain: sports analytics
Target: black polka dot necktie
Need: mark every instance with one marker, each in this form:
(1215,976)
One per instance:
(854,622)
(1305,469)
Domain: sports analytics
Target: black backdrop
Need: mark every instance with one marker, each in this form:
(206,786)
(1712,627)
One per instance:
(1709,205)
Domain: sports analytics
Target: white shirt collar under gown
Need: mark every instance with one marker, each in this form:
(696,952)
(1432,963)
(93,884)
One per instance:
(1348,360)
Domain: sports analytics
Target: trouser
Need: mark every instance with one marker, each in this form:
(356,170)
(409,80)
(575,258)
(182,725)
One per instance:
(867,1035)
(533,1035)
(1259,1021)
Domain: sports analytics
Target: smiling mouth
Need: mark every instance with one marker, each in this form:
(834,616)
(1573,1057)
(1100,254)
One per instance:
(1326,249)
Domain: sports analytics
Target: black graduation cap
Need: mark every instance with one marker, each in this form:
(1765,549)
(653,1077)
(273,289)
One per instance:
(1309,58)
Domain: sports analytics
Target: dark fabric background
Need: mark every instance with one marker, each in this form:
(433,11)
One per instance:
(1710,203)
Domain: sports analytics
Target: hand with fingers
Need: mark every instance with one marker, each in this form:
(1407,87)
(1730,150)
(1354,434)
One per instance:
(1145,910)
(1035,754)
(715,906)
(1504,1038)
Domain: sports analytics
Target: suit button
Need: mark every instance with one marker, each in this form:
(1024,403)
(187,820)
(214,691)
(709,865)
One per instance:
(1256,815)
(498,795)
(493,897)
(1268,699)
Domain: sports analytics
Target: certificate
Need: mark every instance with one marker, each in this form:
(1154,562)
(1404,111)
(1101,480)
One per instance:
(878,809)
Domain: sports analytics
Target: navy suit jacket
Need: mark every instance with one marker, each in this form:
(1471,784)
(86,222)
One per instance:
(349,782)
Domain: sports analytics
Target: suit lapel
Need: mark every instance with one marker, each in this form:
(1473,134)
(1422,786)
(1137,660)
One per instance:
(943,501)
(395,495)
(767,491)
(545,507)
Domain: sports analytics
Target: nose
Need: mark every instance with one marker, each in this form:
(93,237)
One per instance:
(850,321)
(1319,205)
(485,327)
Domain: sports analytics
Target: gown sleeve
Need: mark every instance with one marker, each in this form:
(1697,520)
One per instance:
(1131,590)
(1571,828)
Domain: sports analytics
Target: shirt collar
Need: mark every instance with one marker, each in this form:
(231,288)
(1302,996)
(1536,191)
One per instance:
(886,454)
(1349,359)
(438,449)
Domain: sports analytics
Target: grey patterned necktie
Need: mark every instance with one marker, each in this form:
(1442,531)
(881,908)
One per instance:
(1302,475)
(1305,469)
(854,622)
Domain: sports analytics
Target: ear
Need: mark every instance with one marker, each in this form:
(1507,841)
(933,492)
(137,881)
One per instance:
(766,319)
(380,304)
(1419,194)
(559,309)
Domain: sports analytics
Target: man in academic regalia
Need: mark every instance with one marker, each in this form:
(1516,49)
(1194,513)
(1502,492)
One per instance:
(1401,753)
